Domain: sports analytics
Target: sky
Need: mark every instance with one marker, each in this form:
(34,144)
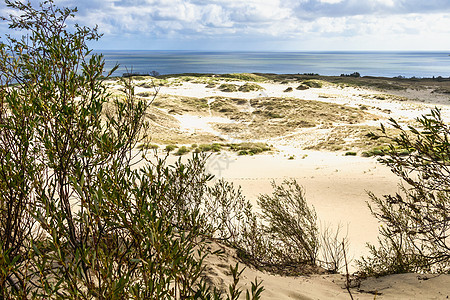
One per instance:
(265,25)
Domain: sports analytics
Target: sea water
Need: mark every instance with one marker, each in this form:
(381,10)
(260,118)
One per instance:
(386,64)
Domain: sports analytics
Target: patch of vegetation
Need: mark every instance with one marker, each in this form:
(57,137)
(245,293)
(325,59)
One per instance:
(148,146)
(302,87)
(415,222)
(249,87)
(350,153)
(354,74)
(145,94)
(182,150)
(386,97)
(245,77)
(214,147)
(150,82)
(351,137)
(246,148)
(225,106)
(249,148)
(289,89)
(181,104)
(228,87)
(312,83)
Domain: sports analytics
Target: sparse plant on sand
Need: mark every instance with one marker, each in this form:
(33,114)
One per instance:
(291,223)
(333,246)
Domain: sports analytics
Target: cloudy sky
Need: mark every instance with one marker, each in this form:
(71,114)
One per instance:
(272,25)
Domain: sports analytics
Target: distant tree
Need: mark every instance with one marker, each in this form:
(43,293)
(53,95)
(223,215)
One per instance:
(154,73)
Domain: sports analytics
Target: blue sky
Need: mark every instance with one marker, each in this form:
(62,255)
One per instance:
(266,25)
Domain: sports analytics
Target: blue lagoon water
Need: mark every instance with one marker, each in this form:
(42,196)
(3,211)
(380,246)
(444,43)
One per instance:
(386,64)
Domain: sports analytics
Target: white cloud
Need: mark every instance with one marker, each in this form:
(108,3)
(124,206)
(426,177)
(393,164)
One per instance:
(347,23)
(331,1)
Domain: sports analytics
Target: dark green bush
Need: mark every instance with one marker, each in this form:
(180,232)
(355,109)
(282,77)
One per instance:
(182,150)
(312,83)
(170,148)
(228,87)
(249,148)
(214,147)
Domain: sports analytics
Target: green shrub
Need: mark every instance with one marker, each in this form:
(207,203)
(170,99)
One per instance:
(302,87)
(214,147)
(145,94)
(148,146)
(350,153)
(312,83)
(289,89)
(182,150)
(415,221)
(170,148)
(228,87)
(249,87)
(249,148)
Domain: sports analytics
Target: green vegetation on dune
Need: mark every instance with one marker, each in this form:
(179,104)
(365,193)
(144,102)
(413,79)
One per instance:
(249,87)
(245,77)
(228,87)
(312,83)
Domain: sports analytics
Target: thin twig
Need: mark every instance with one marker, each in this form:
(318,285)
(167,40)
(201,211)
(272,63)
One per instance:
(347,282)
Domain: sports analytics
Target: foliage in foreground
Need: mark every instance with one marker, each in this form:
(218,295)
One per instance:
(77,220)
(416,222)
